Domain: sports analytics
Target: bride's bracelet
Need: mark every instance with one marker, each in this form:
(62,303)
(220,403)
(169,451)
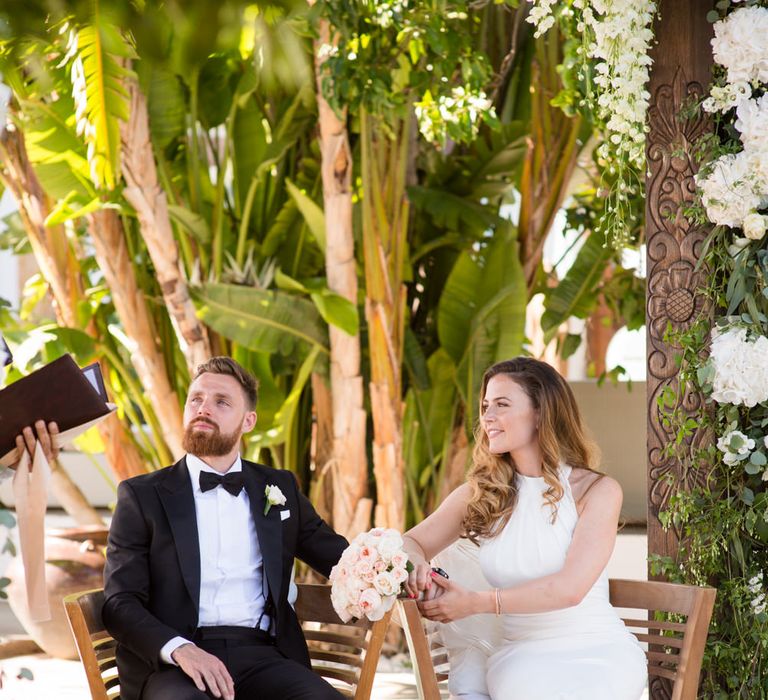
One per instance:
(498,601)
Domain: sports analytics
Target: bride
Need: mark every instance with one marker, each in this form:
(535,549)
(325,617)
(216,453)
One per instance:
(545,520)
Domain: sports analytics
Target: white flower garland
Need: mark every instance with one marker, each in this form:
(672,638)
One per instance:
(618,37)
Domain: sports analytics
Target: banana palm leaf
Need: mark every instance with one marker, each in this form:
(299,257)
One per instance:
(575,293)
(481,314)
(101,98)
(261,320)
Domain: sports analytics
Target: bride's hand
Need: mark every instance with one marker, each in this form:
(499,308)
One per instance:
(450,602)
(419,580)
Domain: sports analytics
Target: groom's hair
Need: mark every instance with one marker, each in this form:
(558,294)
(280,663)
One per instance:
(226,365)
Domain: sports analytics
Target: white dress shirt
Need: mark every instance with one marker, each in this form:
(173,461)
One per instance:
(232,590)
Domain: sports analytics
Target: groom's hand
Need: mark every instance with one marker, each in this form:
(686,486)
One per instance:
(452,602)
(205,670)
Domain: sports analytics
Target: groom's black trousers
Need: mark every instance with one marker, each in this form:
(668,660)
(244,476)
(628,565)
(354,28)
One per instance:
(258,669)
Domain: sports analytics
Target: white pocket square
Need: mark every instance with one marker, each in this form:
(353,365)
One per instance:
(285,514)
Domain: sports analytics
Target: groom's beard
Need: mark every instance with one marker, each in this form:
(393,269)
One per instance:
(208,443)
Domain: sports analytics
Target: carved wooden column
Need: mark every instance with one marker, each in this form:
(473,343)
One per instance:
(681,72)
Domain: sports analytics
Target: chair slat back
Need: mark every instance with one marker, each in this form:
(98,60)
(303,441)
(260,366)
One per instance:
(675,648)
(95,646)
(345,652)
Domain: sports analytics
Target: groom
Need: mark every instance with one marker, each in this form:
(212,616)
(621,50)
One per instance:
(199,563)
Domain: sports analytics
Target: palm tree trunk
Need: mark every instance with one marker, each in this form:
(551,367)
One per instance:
(106,230)
(351,507)
(145,195)
(60,268)
(385,227)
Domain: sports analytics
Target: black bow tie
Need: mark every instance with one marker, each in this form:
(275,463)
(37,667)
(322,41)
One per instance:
(232,482)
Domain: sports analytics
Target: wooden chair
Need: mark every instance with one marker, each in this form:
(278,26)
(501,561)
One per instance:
(343,653)
(675,649)
(347,652)
(93,642)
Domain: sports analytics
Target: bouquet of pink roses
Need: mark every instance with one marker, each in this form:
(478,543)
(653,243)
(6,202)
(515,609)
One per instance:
(369,575)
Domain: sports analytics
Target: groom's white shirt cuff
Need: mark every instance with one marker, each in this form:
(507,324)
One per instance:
(169,647)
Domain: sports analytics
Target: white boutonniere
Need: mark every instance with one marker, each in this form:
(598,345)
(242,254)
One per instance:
(274,496)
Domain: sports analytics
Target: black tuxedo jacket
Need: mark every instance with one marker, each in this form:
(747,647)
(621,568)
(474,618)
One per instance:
(152,575)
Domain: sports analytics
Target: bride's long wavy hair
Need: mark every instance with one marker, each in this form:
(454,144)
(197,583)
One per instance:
(562,439)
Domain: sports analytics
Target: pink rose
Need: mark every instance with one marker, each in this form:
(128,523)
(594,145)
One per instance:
(369,602)
(399,560)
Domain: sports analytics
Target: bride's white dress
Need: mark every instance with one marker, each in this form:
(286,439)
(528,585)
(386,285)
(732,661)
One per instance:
(578,653)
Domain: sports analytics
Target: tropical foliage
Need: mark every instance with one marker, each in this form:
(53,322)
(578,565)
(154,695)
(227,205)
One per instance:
(176,194)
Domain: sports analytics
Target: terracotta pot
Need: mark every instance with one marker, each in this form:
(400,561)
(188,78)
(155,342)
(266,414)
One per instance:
(74,561)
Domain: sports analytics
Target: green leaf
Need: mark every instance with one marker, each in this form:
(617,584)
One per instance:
(101,96)
(335,309)
(481,314)
(191,222)
(7,518)
(570,345)
(451,211)
(575,293)
(64,211)
(261,320)
(166,104)
(311,211)
(758,459)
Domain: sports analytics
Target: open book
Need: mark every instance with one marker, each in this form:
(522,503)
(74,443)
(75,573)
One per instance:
(60,392)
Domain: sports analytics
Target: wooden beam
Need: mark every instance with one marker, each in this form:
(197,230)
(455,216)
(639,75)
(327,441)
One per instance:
(680,74)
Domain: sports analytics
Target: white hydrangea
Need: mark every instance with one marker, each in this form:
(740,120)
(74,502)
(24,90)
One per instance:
(740,46)
(732,190)
(735,446)
(740,367)
(752,124)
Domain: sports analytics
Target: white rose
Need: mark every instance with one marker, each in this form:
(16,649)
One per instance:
(735,446)
(754,226)
(391,542)
(399,574)
(351,554)
(274,495)
(386,584)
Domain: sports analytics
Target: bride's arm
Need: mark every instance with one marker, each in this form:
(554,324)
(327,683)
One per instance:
(591,548)
(432,535)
